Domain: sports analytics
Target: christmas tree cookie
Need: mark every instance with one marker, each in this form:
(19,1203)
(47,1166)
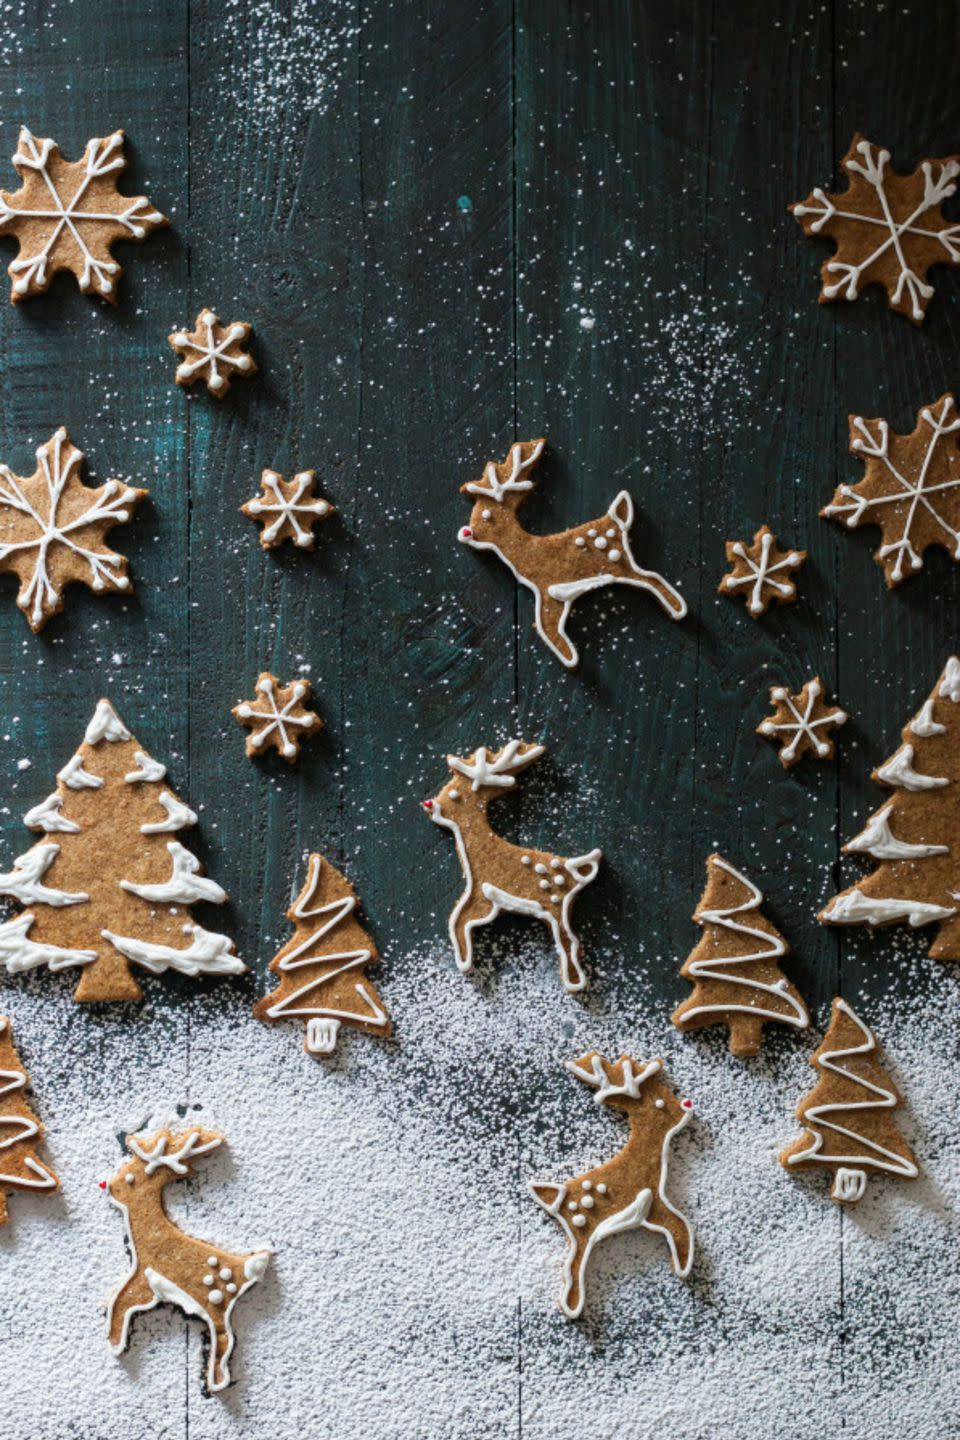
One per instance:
(108,886)
(20,1131)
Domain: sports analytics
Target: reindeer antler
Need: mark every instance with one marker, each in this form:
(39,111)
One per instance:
(492,485)
(500,769)
(176,1160)
(601,1074)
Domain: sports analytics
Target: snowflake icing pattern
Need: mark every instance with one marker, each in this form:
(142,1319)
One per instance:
(761,571)
(911,488)
(287,510)
(276,716)
(887,227)
(67,215)
(796,720)
(53,529)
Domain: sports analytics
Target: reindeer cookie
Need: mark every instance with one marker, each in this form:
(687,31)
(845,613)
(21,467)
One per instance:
(629,1190)
(557,568)
(169,1266)
(500,876)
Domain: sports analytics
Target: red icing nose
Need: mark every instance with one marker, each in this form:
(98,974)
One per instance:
(687,1104)
(102,1184)
(466,533)
(427,804)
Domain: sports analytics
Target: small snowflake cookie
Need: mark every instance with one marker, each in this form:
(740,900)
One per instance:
(887,228)
(213,353)
(278,717)
(910,488)
(631,1189)
(169,1266)
(53,530)
(20,1131)
(288,509)
(761,571)
(800,722)
(68,214)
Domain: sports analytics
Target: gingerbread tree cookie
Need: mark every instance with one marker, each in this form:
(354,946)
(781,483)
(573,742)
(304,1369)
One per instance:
(910,488)
(107,887)
(629,1190)
(557,568)
(288,509)
(914,836)
(213,353)
(887,228)
(498,875)
(322,967)
(761,571)
(800,724)
(169,1266)
(20,1131)
(53,530)
(278,718)
(735,968)
(849,1127)
(67,215)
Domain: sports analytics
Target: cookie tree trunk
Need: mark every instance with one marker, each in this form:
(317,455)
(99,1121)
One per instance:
(915,835)
(108,884)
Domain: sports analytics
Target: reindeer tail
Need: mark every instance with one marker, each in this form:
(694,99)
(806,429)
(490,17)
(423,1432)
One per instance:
(255,1265)
(584,868)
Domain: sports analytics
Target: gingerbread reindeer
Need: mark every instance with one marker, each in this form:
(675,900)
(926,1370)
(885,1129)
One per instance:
(500,876)
(629,1190)
(557,568)
(169,1266)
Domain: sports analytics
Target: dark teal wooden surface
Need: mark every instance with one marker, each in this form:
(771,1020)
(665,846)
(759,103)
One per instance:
(416,257)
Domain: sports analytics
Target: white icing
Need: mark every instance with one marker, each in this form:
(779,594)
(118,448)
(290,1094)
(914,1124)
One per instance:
(497,489)
(501,770)
(178,816)
(899,771)
(802,725)
(208,352)
(761,573)
(75,777)
(105,725)
(950,681)
(286,510)
(176,1161)
(923,724)
(877,839)
(18,953)
(25,881)
(598,1079)
(849,1185)
(277,719)
(207,954)
(14,1129)
(147,769)
(855,908)
(46,816)
(186,885)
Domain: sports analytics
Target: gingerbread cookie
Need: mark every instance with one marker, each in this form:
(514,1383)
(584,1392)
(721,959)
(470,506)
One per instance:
(500,876)
(849,1127)
(887,228)
(322,967)
(170,1267)
(800,723)
(735,969)
(67,215)
(557,568)
(213,353)
(914,836)
(288,510)
(106,887)
(53,530)
(278,718)
(629,1190)
(910,488)
(20,1131)
(761,571)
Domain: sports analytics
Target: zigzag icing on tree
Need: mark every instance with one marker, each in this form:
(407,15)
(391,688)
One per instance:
(19,1129)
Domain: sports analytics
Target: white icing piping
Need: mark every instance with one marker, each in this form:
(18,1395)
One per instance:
(207,954)
(105,725)
(285,510)
(186,885)
(210,352)
(761,572)
(899,771)
(178,816)
(23,1128)
(25,881)
(75,777)
(877,839)
(278,719)
(802,725)
(147,769)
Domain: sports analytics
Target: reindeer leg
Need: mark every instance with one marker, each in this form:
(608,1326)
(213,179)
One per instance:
(473,908)
(551,1197)
(135,1294)
(550,623)
(662,1216)
(672,601)
(572,977)
(218,1358)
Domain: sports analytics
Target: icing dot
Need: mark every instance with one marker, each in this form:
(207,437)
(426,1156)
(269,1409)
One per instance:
(554,899)
(572,1205)
(611,533)
(559,880)
(601,1188)
(591,533)
(216,1296)
(226,1273)
(129,1179)
(587,1185)
(600,543)
(554,864)
(211,1259)
(580,541)
(454,794)
(544,884)
(231,1288)
(485,514)
(540,869)
(579,1220)
(208,1280)
(524,859)
(659,1104)
(614,555)
(587,1202)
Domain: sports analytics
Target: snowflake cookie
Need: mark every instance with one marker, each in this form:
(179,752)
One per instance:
(761,571)
(169,1266)
(887,228)
(278,717)
(211,352)
(796,719)
(68,214)
(629,1190)
(911,488)
(288,509)
(20,1131)
(53,530)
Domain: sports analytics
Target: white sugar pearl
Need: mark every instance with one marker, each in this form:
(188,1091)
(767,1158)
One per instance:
(226,1273)
(485,514)
(580,541)
(587,1185)
(211,1259)
(231,1288)
(540,868)
(216,1297)
(572,1205)
(524,859)
(610,533)
(601,1188)
(559,880)
(600,543)
(659,1104)
(554,899)
(208,1280)
(544,884)
(587,1202)
(579,1220)
(614,555)
(554,864)
(591,533)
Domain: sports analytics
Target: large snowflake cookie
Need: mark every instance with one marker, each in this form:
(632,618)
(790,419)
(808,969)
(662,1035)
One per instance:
(68,214)
(278,717)
(170,1267)
(910,488)
(559,568)
(107,886)
(849,1127)
(735,968)
(20,1131)
(500,876)
(801,724)
(213,353)
(322,969)
(631,1189)
(888,228)
(761,572)
(288,509)
(53,530)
